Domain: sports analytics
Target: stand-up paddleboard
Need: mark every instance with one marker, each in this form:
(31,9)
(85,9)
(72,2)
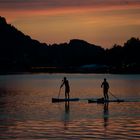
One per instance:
(101,100)
(64,100)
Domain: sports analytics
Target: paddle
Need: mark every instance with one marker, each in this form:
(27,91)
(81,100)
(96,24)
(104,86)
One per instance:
(59,92)
(114,96)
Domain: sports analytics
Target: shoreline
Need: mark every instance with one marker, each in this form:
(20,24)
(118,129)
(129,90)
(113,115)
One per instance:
(64,72)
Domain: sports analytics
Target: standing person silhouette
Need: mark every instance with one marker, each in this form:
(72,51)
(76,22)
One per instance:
(105,87)
(67,87)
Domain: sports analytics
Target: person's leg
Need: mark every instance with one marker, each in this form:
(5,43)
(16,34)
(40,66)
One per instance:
(107,94)
(104,95)
(68,95)
(65,95)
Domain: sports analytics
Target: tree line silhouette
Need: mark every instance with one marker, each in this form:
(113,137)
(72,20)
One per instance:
(21,53)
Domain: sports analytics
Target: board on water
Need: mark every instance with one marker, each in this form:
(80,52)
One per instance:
(64,100)
(104,101)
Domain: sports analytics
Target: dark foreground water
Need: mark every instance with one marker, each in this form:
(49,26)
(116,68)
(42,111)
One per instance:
(26,110)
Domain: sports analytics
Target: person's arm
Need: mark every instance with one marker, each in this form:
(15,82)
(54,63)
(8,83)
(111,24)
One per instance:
(101,85)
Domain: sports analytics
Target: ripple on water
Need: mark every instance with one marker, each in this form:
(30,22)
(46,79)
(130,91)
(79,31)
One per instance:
(78,129)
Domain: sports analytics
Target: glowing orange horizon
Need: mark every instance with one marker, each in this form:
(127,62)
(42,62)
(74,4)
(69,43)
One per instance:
(90,23)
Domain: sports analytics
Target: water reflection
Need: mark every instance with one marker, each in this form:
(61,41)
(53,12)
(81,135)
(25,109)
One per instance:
(106,114)
(26,111)
(67,115)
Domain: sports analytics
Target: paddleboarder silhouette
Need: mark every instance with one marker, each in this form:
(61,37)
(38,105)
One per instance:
(67,87)
(105,87)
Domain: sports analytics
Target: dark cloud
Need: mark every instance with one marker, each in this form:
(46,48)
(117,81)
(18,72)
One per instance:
(44,4)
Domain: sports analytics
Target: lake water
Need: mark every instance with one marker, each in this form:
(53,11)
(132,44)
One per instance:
(26,110)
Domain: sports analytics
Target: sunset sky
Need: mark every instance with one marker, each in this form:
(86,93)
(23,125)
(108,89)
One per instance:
(100,22)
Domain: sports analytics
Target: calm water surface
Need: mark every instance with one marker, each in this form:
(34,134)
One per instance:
(26,110)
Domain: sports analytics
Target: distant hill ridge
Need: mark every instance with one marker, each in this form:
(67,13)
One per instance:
(19,52)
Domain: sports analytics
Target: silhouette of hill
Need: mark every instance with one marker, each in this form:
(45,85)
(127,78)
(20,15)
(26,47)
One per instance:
(20,53)
(124,59)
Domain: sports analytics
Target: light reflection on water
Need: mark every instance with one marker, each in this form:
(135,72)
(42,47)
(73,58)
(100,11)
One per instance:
(26,111)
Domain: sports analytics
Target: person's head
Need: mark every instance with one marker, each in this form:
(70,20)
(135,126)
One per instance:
(65,78)
(104,79)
